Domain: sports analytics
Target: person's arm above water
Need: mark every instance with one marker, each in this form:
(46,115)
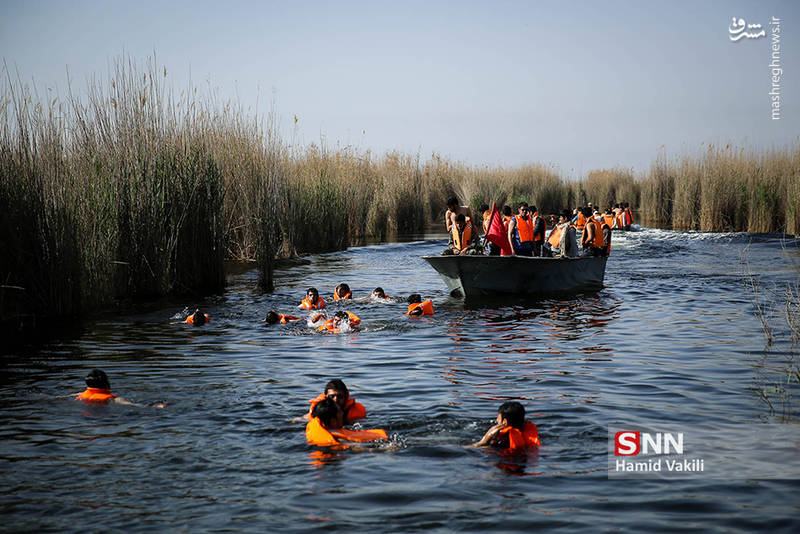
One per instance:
(490,435)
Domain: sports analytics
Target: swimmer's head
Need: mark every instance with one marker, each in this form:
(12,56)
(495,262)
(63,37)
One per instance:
(337,391)
(340,317)
(514,414)
(329,413)
(97,379)
(378,292)
(272,317)
(198,318)
(341,290)
(312,294)
(414,298)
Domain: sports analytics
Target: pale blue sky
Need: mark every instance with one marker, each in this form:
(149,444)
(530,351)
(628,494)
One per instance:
(580,85)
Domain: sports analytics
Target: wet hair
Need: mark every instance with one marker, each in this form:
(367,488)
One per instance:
(326,411)
(379,291)
(461,218)
(337,384)
(272,317)
(198,319)
(514,413)
(342,288)
(484,207)
(507,210)
(97,379)
(341,315)
(414,298)
(312,290)
(452,201)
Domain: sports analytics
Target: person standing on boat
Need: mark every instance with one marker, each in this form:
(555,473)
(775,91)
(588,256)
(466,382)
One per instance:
(592,237)
(463,238)
(453,209)
(539,229)
(520,232)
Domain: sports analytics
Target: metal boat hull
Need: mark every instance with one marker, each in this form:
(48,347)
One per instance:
(471,276)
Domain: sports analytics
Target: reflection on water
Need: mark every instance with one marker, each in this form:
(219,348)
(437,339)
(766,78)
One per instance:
(672,338)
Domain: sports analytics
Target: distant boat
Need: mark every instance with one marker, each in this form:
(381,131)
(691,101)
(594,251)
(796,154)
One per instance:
(473,276)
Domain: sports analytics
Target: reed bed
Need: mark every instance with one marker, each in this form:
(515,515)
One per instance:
(131,191)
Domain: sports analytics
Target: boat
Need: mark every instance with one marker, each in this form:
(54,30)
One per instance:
(473,276)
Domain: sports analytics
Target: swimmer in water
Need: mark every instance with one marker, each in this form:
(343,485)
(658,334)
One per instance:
(312,300)
(418,307)
(98,391)
(337,391)
(378,293)
(342,321)
(198,318)
(325,427)
(510,430)
(342,292)
(274,317)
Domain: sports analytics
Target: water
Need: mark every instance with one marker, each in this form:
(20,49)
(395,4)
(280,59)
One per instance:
(673,338)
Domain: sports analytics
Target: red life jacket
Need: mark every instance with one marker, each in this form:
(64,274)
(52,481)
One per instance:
(96,395)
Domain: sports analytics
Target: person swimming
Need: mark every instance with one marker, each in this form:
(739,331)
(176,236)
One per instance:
(342,321)
(379,293)
(98,391)
(418,307)
(274,317)
(312,301)
(325,427)
(342,292)
(510,430)
(198,318)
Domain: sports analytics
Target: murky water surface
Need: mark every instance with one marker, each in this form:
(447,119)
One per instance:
(672,338)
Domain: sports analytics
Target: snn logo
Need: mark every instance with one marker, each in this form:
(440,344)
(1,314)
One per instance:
(630,443)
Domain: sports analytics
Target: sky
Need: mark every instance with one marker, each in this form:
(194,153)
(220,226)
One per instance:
(577,85)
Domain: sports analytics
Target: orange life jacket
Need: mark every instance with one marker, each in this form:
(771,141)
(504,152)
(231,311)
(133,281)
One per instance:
(352,410)
(524,228)
(286,318)
(426,305)
(316,434)
(609,220)
(580,223)
(486,215)
(190,319)
(529,437)
(348,295)
(629,213)
(597,240)
(306,304)
(463,240)
(96,395)
(355,320)
(506,219)
(539,236)
(555,237)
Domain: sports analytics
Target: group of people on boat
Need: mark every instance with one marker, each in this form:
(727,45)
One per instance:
(526,233)
(334,409)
